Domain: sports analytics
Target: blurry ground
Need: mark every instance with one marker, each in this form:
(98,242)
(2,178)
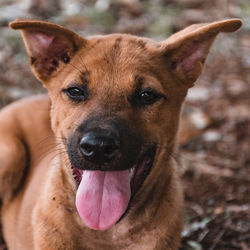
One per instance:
(215,142)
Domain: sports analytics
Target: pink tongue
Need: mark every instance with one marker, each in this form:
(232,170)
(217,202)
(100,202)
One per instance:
(103,197)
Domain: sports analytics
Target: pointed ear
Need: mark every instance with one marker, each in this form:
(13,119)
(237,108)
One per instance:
(49,46)
(186,51)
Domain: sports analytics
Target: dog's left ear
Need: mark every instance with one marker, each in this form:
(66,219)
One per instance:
(49,46)
(187,50)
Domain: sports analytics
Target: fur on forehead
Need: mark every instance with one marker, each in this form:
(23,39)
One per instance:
(115,45)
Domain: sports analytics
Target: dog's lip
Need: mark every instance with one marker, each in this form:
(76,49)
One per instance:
(138,172)
(146,162)
(77,174)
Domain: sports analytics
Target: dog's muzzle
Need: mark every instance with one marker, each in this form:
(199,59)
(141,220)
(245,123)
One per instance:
(110,164)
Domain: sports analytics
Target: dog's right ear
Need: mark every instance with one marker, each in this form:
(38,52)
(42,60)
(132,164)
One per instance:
(49,46)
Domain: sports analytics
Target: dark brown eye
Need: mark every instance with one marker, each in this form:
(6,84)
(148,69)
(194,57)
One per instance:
(147,97)
(76,93)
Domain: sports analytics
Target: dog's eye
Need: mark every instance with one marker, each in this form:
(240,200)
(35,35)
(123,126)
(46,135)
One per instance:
(147,97)
(76,94)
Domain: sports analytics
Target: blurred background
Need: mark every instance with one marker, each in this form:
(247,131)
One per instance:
(214,143)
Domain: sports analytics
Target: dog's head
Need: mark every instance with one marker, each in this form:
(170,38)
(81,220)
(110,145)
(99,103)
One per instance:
(116,100)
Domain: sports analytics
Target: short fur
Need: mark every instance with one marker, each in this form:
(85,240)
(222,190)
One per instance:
(37,189)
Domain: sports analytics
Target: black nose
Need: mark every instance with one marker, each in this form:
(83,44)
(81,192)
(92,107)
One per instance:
(98,147)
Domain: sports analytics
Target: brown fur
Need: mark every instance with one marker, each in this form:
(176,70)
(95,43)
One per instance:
(37,187)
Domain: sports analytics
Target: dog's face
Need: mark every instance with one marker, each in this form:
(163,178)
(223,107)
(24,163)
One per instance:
(116,102)
(120,111)
(116,95)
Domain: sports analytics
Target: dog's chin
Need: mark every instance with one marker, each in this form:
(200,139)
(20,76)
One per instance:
(138,173)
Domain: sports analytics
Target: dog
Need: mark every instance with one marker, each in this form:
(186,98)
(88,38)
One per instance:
(90,165)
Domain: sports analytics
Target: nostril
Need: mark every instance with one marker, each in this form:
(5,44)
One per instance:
(87,149)
(87,146)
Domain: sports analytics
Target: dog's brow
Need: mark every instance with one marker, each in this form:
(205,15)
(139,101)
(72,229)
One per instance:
(86,69)
(139,80)
(85,77)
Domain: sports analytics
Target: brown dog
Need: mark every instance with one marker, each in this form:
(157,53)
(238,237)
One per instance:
(111,118)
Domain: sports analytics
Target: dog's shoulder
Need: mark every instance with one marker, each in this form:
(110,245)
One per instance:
(28,116)
(23,106)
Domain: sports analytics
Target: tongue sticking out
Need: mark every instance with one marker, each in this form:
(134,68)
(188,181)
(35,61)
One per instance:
(103,197)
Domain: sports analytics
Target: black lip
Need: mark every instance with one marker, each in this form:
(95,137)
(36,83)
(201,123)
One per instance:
(150,156)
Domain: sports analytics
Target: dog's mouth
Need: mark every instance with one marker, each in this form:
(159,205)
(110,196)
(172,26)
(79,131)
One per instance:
(140,171)
(104,197)
(137,173)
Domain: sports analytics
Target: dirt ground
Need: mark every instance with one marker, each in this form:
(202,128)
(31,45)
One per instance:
(214,145)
